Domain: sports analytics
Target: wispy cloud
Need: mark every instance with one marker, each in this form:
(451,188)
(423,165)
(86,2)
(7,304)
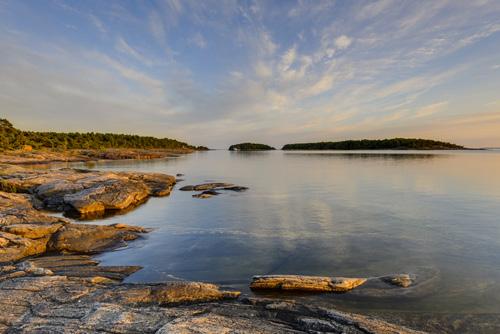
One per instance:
(431,109)
(124,47)
(218,71)
(198,40)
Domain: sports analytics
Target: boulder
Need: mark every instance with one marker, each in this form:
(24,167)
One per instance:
(32,231)
(305,283)
(110,195)
(166,293)
(400,280)
(85,192)
(14,247)
(86,238)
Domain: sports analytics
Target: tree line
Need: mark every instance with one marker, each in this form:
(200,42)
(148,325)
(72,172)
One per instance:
(379,144)
(250,147)
(13,139)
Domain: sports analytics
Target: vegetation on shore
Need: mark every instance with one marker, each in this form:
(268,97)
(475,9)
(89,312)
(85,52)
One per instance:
(379,144)
(13,139)
(250,147)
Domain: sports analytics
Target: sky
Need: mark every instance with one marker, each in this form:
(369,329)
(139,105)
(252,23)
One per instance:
(221,72)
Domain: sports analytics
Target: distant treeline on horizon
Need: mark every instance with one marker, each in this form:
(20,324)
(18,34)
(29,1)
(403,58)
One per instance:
(377,144)
(13,139)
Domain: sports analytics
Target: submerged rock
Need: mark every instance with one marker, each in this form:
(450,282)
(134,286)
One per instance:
(206,194)
(210,189)
(206,186)
(401,280)
(305,283)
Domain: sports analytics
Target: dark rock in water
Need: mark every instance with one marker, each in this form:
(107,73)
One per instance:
(415,285)
(206,186)
(179,174)
(401,280)
(235,188)
(206,194)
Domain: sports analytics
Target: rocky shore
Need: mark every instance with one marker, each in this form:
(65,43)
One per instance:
(49,283)
(29,157)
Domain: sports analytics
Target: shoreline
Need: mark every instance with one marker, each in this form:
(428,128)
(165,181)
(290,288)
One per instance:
(50,283)
(45,157)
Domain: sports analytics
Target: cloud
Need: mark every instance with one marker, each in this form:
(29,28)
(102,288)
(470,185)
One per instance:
(124,47)
(97,23)
(343,42)
(431,109)
(157,28)
(198,40)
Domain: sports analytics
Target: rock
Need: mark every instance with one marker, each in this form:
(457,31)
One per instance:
(32,231)
(19,209)
(206,186)
(179,175)
(305,283)
(206,194)
(86,192)
(401,280)
(166,293)
(26,231)
(158,184)
(111,195)
(15,247)
(235,188)
(86,238)
(96,304)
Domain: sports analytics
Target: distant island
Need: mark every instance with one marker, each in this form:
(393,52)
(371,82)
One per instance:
(378,144)
(250,147)
(13,139)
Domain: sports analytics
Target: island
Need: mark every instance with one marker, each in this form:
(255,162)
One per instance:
(250,147)
(377,144)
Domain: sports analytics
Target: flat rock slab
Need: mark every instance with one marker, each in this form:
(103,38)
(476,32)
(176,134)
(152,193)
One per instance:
(209,190)
(85,192)
(305,283)
(42,300)
(26,231)
(87,238)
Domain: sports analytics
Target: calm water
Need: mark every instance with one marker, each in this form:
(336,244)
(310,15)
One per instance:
(434,214)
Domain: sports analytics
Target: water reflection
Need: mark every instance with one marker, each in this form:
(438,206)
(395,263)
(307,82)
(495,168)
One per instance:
(330,214)
(369,155)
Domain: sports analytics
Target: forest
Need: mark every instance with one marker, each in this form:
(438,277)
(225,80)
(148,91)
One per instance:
(13,139)
(250,147)
(378,144)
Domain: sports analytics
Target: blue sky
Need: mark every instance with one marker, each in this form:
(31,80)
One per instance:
(220,72)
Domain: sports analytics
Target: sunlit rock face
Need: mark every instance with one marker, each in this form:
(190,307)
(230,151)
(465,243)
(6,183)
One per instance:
(83,192)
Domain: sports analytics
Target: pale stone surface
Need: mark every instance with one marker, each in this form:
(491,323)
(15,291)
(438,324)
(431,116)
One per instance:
(26,231)
(85,192)
(305,283)
(77,304)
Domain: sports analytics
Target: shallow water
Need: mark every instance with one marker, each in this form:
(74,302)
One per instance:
(434,214)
